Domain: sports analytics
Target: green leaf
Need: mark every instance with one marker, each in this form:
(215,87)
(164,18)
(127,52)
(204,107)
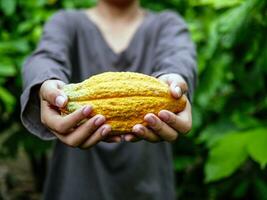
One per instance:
(214,132)
(25,26)
(243,121)
(227,155)
(229,152)
(261,189)
(257,147)
(218,4)
(213,79)
(8,6)
(7,69)
(241,189)
(8,99)
(197,117)
(183,162)
(15,46)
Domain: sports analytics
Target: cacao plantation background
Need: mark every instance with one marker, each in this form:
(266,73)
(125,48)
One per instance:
(224,156)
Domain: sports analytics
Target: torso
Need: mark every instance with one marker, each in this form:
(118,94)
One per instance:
(112,171)
(117,34)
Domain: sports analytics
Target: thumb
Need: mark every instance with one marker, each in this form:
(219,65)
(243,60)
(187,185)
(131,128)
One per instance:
(177,84)
(51,92)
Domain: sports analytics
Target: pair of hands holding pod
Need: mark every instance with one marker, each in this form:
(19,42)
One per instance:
(166,126)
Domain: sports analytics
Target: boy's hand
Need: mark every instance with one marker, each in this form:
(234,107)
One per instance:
(167,125)
(66,127)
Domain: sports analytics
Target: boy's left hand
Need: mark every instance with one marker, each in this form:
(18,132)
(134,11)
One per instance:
(167,125)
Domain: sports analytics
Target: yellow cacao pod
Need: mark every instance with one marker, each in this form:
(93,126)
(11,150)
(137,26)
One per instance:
(124,98)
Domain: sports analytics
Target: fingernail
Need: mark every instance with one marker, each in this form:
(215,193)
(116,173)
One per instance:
(137,129)
(127,138)
(165,116)
(140,130)
(60,101)
(65,96)
(151,120)
(87,110)
(178,91)
(99,120)
(105,131)
(118,139)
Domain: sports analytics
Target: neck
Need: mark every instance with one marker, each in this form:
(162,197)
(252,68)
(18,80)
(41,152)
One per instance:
(120,12)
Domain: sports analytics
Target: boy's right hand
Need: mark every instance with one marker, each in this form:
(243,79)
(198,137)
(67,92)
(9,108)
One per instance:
(66,127)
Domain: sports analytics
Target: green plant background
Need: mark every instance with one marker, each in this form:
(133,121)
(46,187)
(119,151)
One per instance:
(225,155)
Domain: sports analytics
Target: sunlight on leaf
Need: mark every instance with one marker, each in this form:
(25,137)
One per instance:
(257,146)
(7,69)
(225,157)
(8,6)
(231,150)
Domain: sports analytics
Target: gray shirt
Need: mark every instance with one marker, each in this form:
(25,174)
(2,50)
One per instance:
(72,49)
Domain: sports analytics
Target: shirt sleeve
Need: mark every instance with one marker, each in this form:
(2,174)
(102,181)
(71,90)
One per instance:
(51,60)
(175,51)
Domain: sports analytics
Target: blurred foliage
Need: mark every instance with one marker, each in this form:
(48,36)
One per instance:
(224,157)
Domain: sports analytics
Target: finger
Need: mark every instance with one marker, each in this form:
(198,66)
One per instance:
(163,130)
(178,88)
(97,136)
(63,125)
(49,114)
(113,139)
(176,91)
(52,93)
(146,134)
(177,84)
(164,78)
(47,110)
(52,119)
(60,84)
(131,138)
(83,132)
(182,122)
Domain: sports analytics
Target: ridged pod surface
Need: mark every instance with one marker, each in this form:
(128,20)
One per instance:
(124,98)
